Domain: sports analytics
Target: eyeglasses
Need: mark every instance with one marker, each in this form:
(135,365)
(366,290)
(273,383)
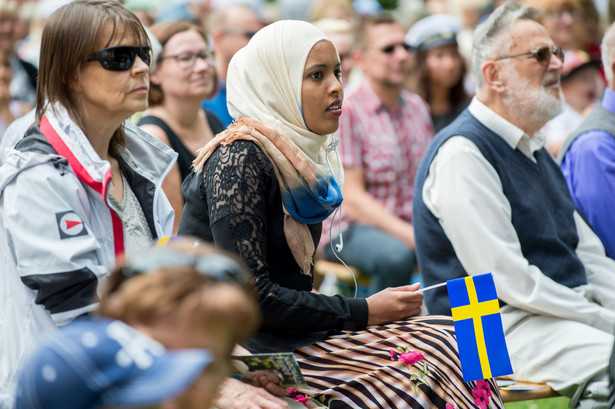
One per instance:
(188,59)
(541,54)
(389,49)
(121,58)
(216,266)
(239,32)
(558,14)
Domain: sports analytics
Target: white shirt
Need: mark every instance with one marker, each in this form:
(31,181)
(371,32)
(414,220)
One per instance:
(476,217)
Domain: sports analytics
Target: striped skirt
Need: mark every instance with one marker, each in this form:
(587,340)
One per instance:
(366,369)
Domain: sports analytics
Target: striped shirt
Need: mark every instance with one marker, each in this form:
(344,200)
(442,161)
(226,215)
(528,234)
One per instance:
(387,145)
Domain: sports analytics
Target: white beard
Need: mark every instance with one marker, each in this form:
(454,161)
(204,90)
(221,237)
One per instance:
(530,105)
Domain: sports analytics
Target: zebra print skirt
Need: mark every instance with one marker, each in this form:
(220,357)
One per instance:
(404,364)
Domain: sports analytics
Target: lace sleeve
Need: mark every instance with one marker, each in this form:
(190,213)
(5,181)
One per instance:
(238,180)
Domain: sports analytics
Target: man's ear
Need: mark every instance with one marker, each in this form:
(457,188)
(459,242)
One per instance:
(216,35)
(492,75)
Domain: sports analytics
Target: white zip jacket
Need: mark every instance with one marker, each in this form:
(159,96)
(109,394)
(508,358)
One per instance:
(57,240)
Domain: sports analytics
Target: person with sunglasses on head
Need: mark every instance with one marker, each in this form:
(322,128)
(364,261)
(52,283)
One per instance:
(262,188)
(83,185)
(183,76)
(383,134)
(230,27)
(440,72)
(185,294)
(490,198)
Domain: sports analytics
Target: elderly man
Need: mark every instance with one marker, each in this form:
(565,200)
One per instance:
(489,198)
(230,27)
(384,132)
(587,157)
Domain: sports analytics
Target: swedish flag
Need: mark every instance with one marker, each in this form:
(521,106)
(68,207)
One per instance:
(478,326)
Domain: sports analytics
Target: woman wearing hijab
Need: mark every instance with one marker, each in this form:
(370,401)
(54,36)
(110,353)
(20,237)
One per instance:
(262,188)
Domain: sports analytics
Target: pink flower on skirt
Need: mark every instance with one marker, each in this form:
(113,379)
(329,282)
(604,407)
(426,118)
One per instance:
(410,358)
(481,401)
(483,384)
(301,399)
(482,394)
(450,406)
(393,354)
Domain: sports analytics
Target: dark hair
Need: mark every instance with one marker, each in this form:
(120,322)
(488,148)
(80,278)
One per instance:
(366,21)
(71,34)
(163,33)
(457,93)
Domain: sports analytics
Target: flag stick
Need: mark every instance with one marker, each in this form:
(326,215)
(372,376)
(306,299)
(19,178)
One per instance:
(431,287)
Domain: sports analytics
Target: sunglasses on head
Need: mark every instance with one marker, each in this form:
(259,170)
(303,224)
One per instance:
(121,58)
(216,266)
(541,54)
(389,49)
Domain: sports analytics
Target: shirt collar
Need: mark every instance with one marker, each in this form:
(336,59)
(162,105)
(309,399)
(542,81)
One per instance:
(512,135)
(373,103)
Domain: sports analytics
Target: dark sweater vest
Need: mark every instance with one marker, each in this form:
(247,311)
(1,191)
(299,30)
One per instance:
(542,214)
(599,119)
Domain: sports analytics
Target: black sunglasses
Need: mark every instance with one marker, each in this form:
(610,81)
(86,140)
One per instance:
(541,54)
(121,58)
(216,266)
(389,49)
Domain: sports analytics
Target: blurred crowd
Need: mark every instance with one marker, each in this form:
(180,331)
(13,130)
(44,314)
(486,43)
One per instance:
(214,84)
(439,69)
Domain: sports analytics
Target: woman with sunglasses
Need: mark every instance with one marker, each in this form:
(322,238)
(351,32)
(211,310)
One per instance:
(184,76)
(83,186)
(263,187)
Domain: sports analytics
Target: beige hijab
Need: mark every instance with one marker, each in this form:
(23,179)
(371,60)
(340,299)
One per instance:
(264,84)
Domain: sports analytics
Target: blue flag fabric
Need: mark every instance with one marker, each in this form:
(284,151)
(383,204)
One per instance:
(478,327)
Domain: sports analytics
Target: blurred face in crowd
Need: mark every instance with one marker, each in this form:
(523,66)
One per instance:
(113,95)
(385,59)
(177,331)
(242,23)
(531,88)
(321,90)
(186,67)
(582,88)
(444,65)
(560,23)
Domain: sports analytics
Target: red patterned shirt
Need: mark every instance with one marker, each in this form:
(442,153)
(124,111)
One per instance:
(387,145)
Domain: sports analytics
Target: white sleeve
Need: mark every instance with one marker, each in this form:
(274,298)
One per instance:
(476,217)
(48,223)
(599,268)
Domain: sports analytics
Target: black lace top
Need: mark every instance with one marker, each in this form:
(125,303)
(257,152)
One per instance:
(236,203)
